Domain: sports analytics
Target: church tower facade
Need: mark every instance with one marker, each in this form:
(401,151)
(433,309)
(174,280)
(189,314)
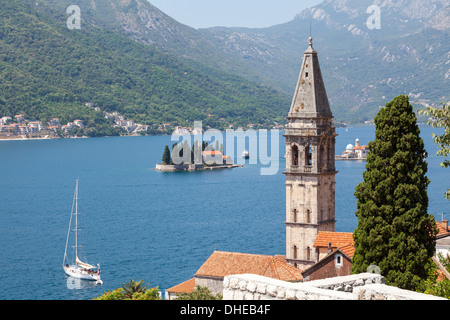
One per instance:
(310,171)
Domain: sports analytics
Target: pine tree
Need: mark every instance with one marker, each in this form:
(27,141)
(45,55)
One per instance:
(394,229)
(166,155)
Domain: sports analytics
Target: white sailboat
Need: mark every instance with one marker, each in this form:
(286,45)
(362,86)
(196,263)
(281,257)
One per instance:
(78,269)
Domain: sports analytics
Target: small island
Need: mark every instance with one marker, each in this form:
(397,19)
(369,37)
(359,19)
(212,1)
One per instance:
(191,159)
(356,152)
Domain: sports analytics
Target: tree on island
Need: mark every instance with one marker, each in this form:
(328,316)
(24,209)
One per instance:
(395,232)
(166,155)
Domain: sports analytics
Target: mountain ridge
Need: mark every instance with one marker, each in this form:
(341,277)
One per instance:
(47,70)
(362,68)
(357,62)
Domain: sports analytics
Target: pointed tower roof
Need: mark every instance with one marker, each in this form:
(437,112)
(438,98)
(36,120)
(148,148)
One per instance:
(310,98)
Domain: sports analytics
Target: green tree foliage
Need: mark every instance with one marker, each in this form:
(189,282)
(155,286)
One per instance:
(131,290)
(199,293)
(437,284)
(440,118)
(166,155)
(394,230)
(131,287)
(116,294)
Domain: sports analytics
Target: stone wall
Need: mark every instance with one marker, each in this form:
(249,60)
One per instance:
(364,286)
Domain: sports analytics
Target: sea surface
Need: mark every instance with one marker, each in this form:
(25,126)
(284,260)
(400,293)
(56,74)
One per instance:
(139,223)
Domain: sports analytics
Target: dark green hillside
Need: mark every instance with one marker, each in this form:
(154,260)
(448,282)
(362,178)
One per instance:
(47,70)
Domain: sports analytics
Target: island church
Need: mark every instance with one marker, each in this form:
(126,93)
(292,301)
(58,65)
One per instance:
(313,249)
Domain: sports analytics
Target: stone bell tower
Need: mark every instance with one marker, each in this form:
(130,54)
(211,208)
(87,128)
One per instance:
(310,171)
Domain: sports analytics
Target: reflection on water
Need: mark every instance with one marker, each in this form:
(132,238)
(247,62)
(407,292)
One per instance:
(77,284)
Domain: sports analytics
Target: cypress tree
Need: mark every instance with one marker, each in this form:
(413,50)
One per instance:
(394,230)
(166,156)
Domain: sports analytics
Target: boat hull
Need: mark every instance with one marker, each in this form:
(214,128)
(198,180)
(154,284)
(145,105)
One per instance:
(79,274)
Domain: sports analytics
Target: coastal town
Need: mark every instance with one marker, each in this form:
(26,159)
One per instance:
(19,127)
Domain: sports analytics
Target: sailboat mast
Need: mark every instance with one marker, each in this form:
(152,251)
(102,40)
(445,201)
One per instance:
(76,222)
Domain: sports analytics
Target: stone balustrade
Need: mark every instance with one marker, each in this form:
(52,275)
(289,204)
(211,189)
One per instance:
(364,286)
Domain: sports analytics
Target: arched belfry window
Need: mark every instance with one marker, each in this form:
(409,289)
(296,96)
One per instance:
(308,158)
(294,151)
(323,157)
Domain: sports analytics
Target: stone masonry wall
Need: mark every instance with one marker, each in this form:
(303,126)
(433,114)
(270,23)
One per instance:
(364,286)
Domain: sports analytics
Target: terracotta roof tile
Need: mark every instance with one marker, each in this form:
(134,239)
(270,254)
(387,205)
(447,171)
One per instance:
(221,264)
(337,239)
(441,230)
(212,153)
(187,286)
(348,250)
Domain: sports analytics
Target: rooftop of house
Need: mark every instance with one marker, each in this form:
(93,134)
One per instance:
(212,153)
(221,264)
(443,229)
(187,286)
(337,239)
(348,250)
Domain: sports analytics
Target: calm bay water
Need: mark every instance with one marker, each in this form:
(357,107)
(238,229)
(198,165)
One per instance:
(142,224)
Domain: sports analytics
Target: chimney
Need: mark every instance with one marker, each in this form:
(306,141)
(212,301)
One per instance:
(329,247)
(445,224)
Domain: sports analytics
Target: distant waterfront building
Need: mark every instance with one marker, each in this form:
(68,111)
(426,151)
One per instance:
(34,126)
(54,122)
(68,127)
(356,152)
(79,123)
(181,131)
(19,118)
(5,119)
(23,129)
(310,170)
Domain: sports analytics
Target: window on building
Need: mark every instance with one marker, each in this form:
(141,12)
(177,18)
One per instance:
(294,252)
(294,155)
(308,153)
(338,260)
(308,216)
(295,215)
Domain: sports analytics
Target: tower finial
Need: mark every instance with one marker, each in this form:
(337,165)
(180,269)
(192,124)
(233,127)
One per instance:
(310,36)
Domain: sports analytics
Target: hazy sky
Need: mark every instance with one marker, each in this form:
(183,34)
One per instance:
(233,13)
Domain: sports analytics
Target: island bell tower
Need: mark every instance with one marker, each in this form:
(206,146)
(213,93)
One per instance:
(310,171)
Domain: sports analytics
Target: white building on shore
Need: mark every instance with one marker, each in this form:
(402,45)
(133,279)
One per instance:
(356,152)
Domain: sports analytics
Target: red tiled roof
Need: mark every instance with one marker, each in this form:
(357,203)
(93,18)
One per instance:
(221,264)
(187,286)
(348,250)
(441,230)
(337,239)
(212,153)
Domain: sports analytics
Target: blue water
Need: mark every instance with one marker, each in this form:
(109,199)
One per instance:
(143,224)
